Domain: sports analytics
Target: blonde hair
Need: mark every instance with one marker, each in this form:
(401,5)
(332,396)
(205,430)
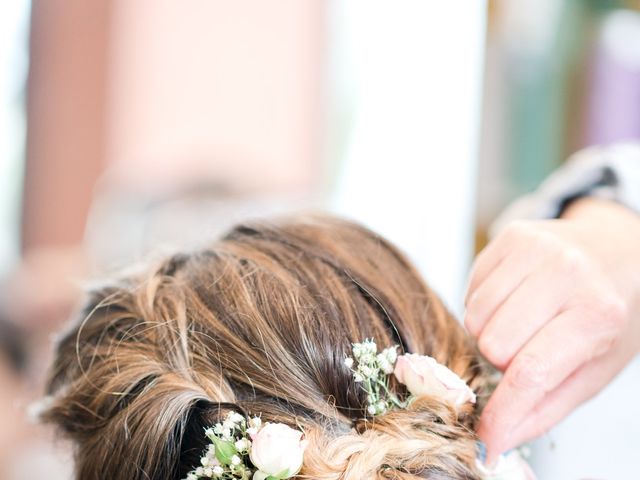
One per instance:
(261,322)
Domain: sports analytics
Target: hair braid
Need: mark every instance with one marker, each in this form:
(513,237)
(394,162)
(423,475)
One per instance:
(428,440)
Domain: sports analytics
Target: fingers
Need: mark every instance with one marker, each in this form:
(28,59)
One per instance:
(534,302)
(500,268)
(541,366)
(579,387)
(489,258)
(487,297)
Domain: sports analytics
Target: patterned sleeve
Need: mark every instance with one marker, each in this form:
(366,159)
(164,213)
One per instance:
(611,172)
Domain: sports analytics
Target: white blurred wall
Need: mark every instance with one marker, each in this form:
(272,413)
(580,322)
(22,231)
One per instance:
(14,24)
(411,72)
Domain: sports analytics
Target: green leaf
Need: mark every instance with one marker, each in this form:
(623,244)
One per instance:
(224,450)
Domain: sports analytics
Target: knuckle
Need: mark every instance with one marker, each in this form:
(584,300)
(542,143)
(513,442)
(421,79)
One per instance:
(519,229)
(607,319)
(614,310)
(528,372)
(572,259)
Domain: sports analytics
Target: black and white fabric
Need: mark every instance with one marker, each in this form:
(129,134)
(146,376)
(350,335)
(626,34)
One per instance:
(611,172)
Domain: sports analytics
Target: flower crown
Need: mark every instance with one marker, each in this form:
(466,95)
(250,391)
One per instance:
(247,449)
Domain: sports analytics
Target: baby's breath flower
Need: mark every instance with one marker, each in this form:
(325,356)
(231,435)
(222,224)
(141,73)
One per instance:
(217,471)
(236,418)
(391,353)
(384,364)
(255,422)
(371,346)
(372,372)
(232,456)
(242,445)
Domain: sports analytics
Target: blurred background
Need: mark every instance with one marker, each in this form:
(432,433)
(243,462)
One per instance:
(127,126)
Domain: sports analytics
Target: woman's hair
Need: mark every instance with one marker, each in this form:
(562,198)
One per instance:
(260,322)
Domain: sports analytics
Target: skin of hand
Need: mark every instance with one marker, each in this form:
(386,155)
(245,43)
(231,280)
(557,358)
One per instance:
(555,305)
(44,287)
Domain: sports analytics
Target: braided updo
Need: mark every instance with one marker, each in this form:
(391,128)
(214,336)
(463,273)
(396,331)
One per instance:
(260,322)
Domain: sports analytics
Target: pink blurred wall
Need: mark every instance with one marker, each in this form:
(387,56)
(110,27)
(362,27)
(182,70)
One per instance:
(230,91)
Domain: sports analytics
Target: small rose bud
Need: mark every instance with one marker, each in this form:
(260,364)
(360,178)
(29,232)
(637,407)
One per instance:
(423,375)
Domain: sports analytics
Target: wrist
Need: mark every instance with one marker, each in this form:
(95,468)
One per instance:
(617,229)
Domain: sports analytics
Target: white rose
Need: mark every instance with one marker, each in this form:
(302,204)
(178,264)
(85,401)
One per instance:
(423,375)
(277,451)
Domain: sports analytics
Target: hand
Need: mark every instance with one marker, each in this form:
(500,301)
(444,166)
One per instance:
(555,304)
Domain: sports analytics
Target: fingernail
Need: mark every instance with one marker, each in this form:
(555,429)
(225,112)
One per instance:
(491,461)
(466,321)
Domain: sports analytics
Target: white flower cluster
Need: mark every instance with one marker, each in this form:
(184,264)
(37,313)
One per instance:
(371,370)
(249,450)
(227,455)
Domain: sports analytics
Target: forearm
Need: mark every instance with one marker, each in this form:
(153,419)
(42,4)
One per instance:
(66,112)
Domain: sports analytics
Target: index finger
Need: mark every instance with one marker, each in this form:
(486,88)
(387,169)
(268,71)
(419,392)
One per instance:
(547,360)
